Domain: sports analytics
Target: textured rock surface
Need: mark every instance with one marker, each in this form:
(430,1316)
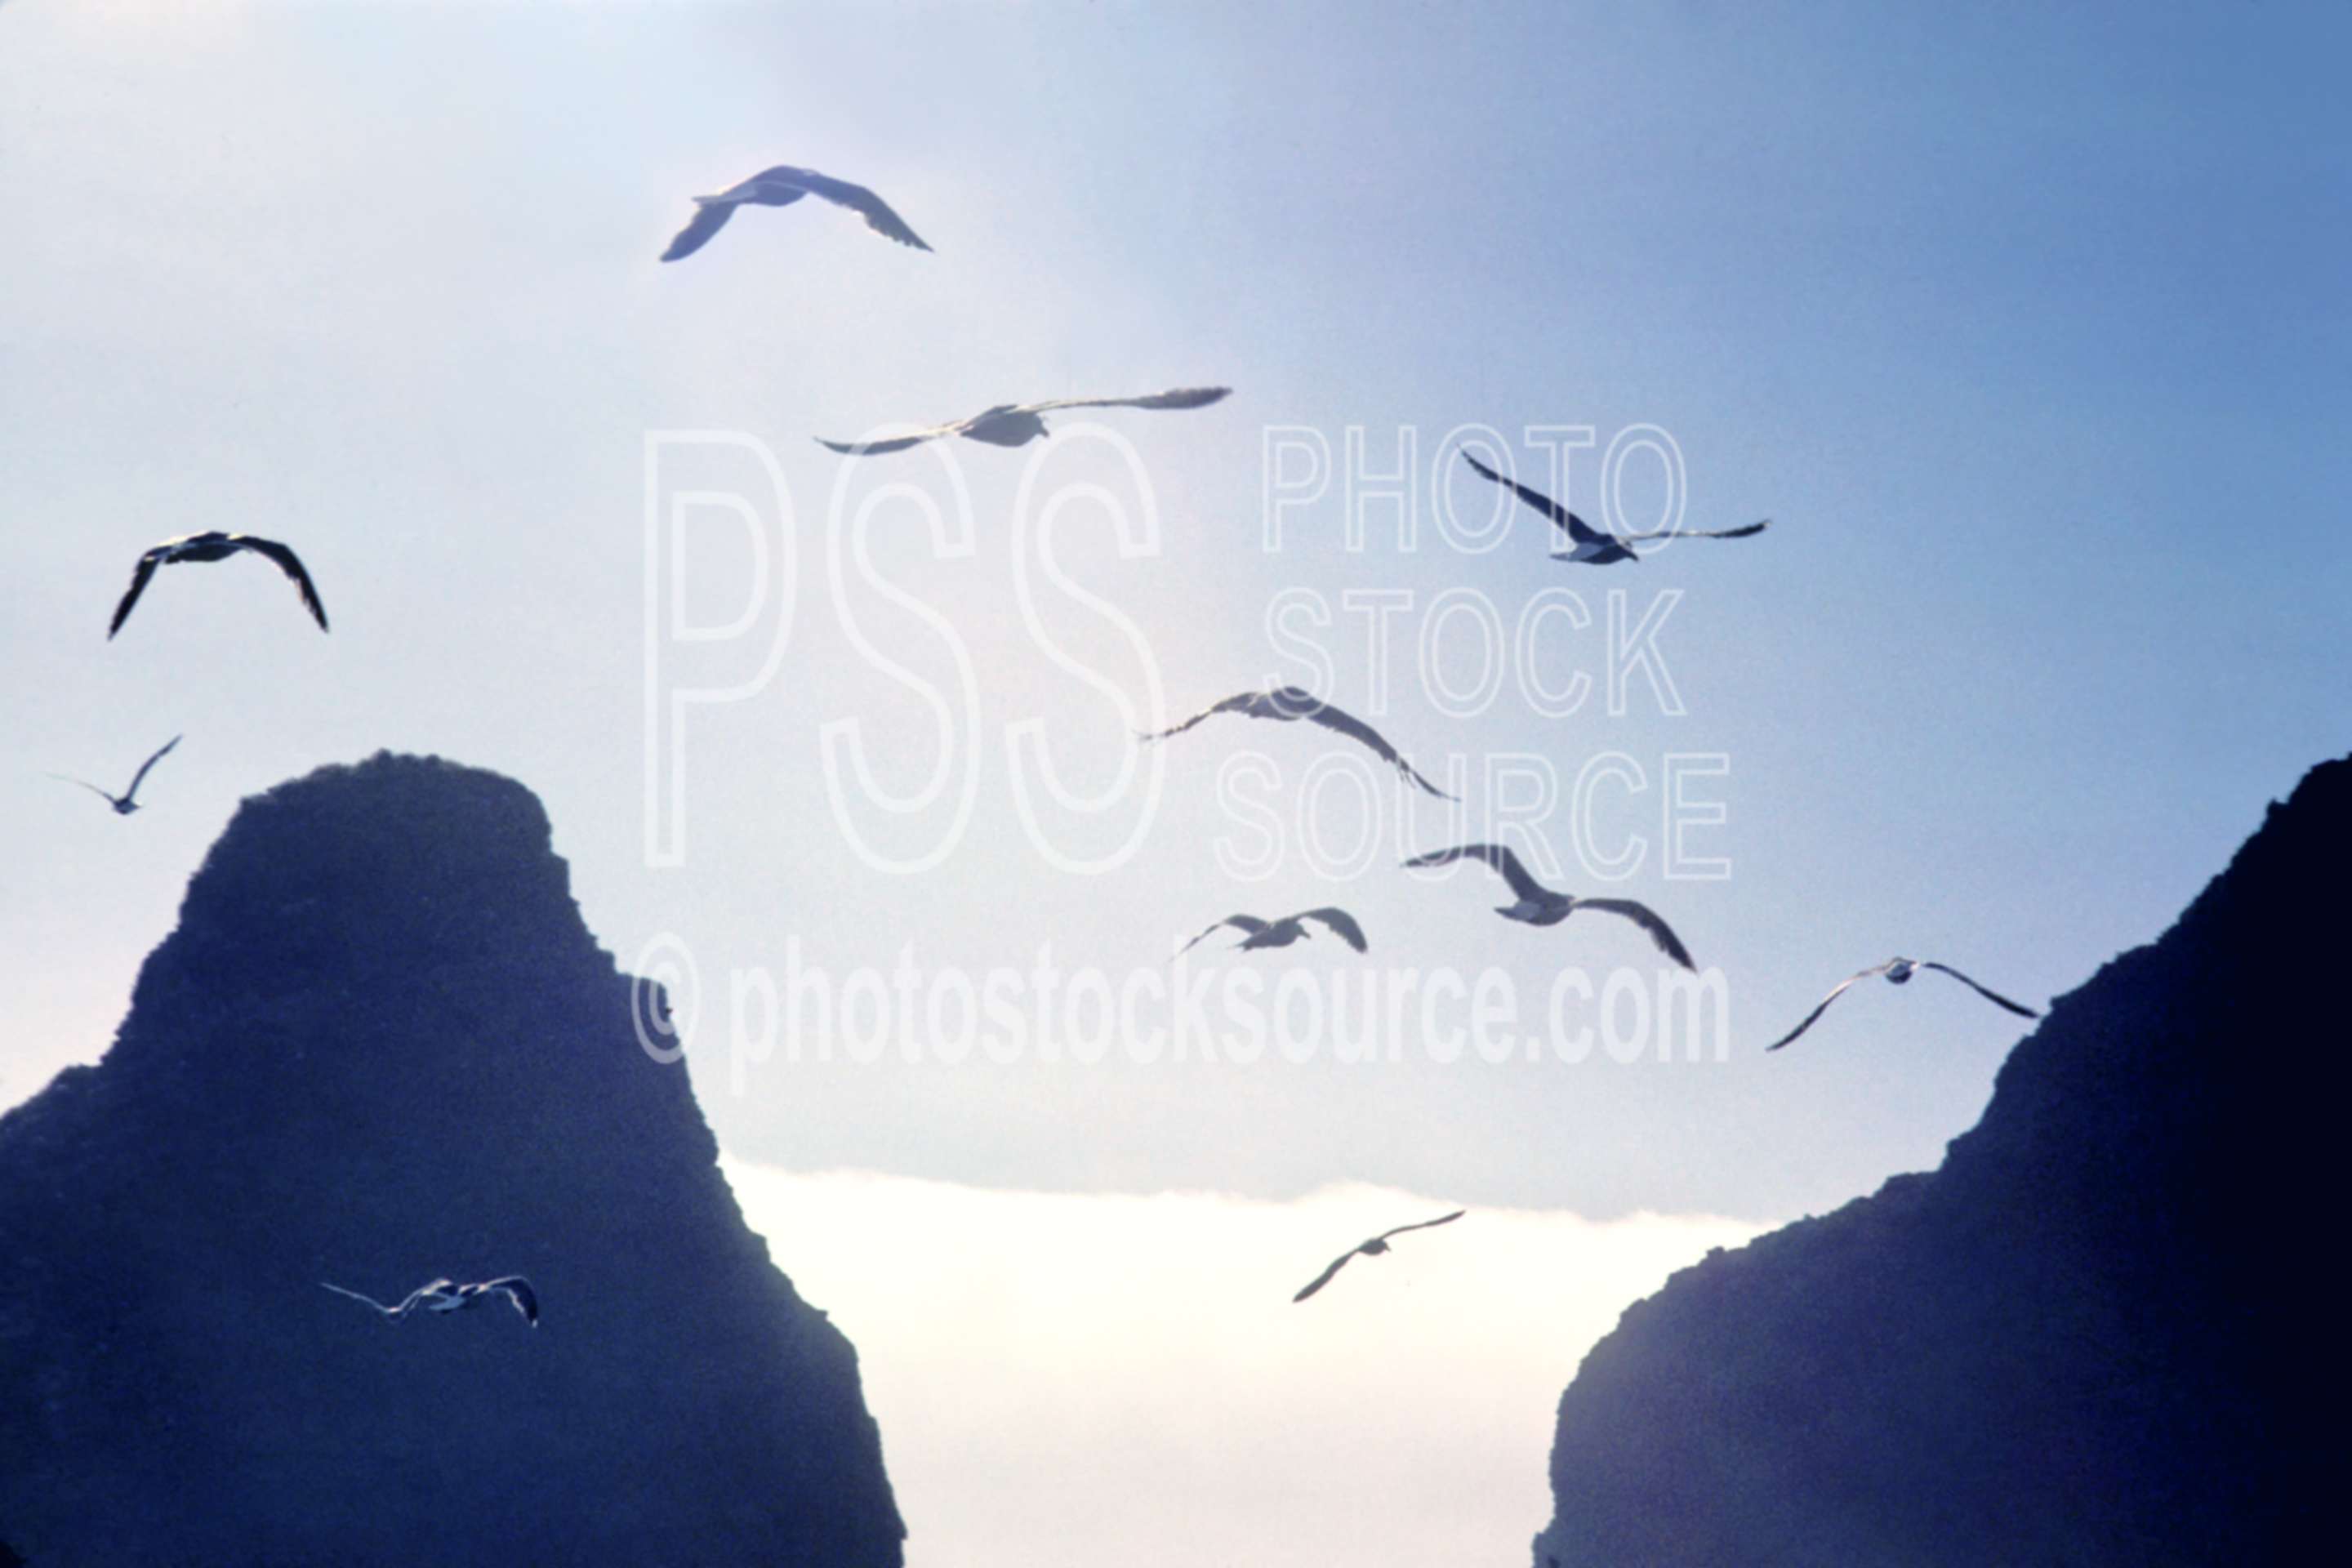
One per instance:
(2087,1338)
(381,1046)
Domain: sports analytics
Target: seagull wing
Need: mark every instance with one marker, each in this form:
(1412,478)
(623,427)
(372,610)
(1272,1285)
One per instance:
(1575,527)
(1696,532)
(1341,922)
(1249,923)
(418,1297)
(518,1292)
(1835,991)
(894,444)
(1325,1277)
(1497,855)
(85,783)
(777,187)
(338,1289)
(1355,729)
(141,776)
(1182,397)
(1425,1224)
(291,565)
(139,575)
(707,220)
(1646,917)
(856,198)
(1992,997)
(1241,700)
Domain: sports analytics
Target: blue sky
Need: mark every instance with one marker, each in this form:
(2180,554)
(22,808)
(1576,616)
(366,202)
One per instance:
(2027,328)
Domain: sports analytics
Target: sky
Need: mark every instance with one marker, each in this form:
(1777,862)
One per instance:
(1141,1351)
(2026,327)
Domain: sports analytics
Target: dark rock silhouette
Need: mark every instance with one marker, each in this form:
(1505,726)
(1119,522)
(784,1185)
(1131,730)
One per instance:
(2088,1338)
(382,1047)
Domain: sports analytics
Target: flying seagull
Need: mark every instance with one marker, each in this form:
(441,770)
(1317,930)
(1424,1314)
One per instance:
(128,801)
(448,1296)
(1288,702)
(1017,424)
(1592,546)
(1285,931)
(216,547)
(1539,906)
(1899,970)
(781,187)
(1372,1249)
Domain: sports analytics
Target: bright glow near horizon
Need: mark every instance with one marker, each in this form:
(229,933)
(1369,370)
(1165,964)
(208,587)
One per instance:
(1065,1381)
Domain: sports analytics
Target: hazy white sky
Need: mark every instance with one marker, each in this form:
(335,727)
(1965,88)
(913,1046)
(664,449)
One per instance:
(2029,330)
(1071,1380)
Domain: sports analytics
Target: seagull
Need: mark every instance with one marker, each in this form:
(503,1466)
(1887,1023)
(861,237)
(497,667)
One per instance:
(128,801)
(1372,1249)
(1539,906)
(1017,424)
(1593,547)
(216,547)
(1899,970)
(448,1296)
(781,187)
(1285,931)
(1288,703)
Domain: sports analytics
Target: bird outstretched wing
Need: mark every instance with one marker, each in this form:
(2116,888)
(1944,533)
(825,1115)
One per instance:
(1993,997)
(1342,924)
(1648,919)
(1325,1277)
(1497,855)
(1240,701)
(1250,924)
(387,1311)
(1425,1224)
(139,575)
(1575,527)
(1696,532)
(518,1292)
(877,213)
(1840,989)
(69,778)
(141,776)
(290,564)
(1342,722)
(710,217)
(422,1294)
(891,444)
(1182,397)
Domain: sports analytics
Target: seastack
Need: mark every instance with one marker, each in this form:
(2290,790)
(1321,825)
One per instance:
(382,1047)
(2091,1337)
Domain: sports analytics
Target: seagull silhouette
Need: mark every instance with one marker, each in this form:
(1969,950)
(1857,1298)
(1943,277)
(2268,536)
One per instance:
(1372,1249)
(1899,970)
(1539,906)
(781,187)
(448,1296)
(1016,424)
(128,801)
(216,547)
(1590,545)
(1285,931)
(1288,702)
